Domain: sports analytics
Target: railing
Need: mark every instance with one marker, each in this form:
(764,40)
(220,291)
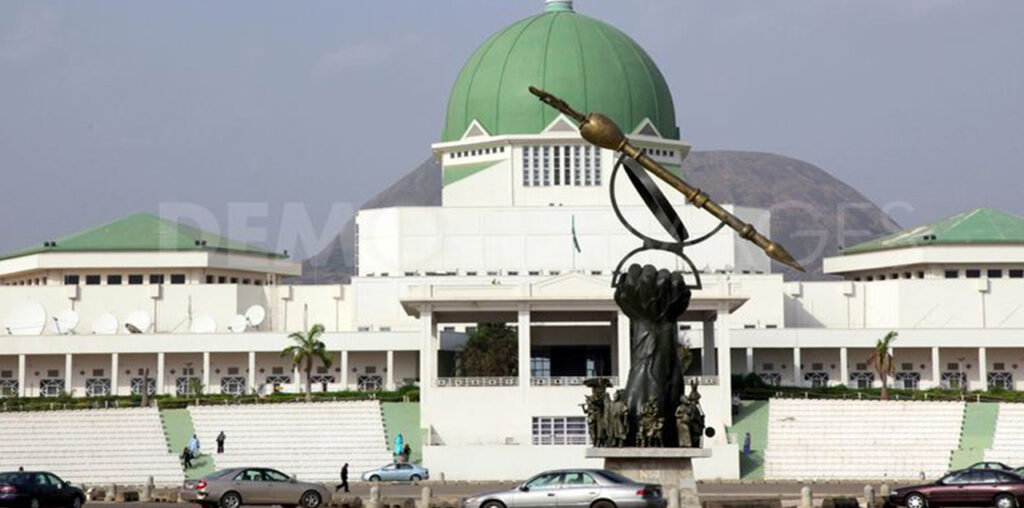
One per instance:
(442,382)
(569,380)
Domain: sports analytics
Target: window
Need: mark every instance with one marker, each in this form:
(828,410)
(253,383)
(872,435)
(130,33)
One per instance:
(549,480)
(995,274)
(560,430)
(92,280)
(156,278)
(385,328)
(246,281)
(862,379)
(234,280)
(371,369)
(113,280)
(748,327)
(920,275)
(973,273)
(275,476)
(768,366)
(577,478)
(998,366)
(222,280)
(97,372)
(817,366)
(6,374)
(907,366)
(232,371)
(52,373)
(209,279)
(952,366)
(70,280)
(1017,274)
(952,274)
(135,279)
(363,329)
(861,366)
(277,370)
(177,278)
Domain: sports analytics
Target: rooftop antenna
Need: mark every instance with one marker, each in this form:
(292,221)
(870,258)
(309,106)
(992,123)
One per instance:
(105,324)
(65,322)
(238,323)
(138,321)
(26,318)
(255,315)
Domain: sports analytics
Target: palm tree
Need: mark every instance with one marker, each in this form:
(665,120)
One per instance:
(881,360)
(308,347)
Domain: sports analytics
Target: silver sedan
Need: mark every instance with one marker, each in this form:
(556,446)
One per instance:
(574,488)
(230,488)
(397,473)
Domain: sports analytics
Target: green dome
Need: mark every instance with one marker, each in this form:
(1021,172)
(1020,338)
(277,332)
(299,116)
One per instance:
(592,65)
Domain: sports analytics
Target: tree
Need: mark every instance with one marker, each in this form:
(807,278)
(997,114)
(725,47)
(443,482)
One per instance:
(881,361)
(491,350)
(307,348)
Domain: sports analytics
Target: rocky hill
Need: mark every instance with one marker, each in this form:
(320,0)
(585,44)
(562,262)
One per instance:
(812,211)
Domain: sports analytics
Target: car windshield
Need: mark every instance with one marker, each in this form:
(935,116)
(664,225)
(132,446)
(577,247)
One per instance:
(13,478)
(614,477)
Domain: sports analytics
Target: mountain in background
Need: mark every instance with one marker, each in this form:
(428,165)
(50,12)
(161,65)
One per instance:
(812,212)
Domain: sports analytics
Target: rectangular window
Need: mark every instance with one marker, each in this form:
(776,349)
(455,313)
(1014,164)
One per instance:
(862,366)
(546,161)
(97,372)
(526,166)
(71,280)
(597,166)
(277,370)
(557,166)
(232,371)
(907,366)
(817,366)
(749,327)
(385,328)
(1017,274)
(371,369)
(920,275)
(995,274)
(565,164)
(135,279)
(234,280)
(177,278)
(972,273)
(6,374)
(998,366)
(92,280)
(576,165)
(560,430)
(52,373)
(768,366)
(952,274)
(363,329)
(222,280)
(113,280)
(952,366)
(321,370)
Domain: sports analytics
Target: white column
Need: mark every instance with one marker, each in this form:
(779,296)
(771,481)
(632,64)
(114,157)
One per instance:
(723,343)
(69,376)
(389,380)
(983,367)
(252,372)
(22,390)
(114,368)
(343,378)
(625,348)
(524,346)
(750,360)
(797,377)
(297,379)
(707,352)
(844,367)
(206,372)
(160,388)
(428,352)
(936,368)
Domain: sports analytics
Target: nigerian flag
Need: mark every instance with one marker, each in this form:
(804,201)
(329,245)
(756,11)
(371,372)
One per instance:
(575,240)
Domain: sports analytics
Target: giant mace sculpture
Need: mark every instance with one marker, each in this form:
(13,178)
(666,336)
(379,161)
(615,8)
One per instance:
(653,412)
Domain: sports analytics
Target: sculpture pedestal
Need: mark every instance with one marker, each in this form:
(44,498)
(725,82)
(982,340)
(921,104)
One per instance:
(672,468)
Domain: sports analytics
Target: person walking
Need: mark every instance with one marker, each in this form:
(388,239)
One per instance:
(220,442)
(186,458)
(746,444)
(406,453)
(344,478)
(399,446)
(193,446)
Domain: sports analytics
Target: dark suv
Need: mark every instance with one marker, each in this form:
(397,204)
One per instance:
(36,489)
(967,487)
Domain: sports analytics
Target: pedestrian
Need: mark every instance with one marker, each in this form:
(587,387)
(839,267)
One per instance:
(399,446)
(344,478)
(406,453)
(193,446)
(746,444)
(186,458)
(220,442)
(21,468)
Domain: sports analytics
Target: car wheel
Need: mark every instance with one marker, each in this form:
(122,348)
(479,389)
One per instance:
(603,504)
(374,478)
(493,504)
(916,501)
(76,502)
(311,499)
(416,478)
(33,503)
(230,500)
(1006,501)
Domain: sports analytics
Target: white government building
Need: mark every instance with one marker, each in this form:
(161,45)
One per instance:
(518,185)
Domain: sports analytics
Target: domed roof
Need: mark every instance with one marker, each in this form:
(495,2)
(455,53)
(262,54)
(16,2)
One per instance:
(590,64)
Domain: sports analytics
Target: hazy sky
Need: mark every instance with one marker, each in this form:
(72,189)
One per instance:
(280,111)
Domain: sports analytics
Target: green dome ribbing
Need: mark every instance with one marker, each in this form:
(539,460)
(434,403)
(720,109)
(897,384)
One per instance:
(592,65)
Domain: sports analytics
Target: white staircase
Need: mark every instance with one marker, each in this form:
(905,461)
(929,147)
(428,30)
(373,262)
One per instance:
(1008,442)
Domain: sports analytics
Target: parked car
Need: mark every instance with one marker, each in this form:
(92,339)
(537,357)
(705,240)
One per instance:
(397,473)
(580,488)
(230,488)
(36,489)
(967,487)
(998,466)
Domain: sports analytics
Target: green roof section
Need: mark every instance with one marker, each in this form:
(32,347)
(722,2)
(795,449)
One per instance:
(143,232)
(979,226)
(592,65)
(454,173)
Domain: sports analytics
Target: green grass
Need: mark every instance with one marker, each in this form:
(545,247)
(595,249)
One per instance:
(978,431)
(404,417)
(178,429)
(752,417)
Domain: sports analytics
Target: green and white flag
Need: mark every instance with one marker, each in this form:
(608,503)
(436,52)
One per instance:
(575,240)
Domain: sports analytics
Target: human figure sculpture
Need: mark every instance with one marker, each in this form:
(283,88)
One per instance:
(595,409)
(683,415)
(653,300)
(616,418)
(696,416)
(651,425)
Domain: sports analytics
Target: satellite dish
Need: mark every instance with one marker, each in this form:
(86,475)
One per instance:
(255,315)
(65,322)
(138,319)
(26,318)
(238,323)
(105,324)
(203,324)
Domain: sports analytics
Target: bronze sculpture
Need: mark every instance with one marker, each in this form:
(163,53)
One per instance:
(683,422)
(649,431)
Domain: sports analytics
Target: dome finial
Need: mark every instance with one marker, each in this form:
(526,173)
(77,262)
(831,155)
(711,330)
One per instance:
(558,5)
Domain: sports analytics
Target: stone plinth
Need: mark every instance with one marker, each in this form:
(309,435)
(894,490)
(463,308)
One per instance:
(672,468)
